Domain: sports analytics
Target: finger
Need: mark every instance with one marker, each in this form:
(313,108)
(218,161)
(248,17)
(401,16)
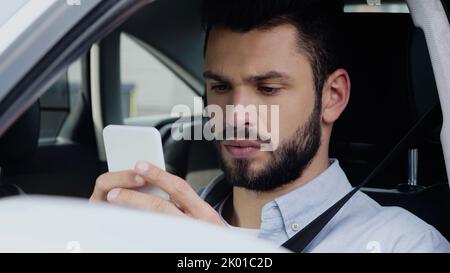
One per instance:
(178,189)
(139,200)
(111,180)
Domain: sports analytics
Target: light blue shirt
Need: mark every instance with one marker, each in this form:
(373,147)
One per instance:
(362,225)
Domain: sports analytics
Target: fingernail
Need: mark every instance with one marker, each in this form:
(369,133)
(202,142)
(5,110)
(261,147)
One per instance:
(143,166)
(112,194)
(139,180)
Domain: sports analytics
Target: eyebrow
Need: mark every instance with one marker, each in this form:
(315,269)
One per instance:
(254,78)
(268,76)
(213,76)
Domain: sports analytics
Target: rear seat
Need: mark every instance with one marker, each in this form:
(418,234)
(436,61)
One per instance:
(392,86)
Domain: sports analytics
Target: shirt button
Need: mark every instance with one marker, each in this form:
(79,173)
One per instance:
(295,227)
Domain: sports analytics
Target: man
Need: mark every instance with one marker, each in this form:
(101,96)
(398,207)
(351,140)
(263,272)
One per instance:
(283,53)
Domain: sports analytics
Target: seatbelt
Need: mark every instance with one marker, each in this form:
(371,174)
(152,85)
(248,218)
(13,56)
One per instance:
(300,241)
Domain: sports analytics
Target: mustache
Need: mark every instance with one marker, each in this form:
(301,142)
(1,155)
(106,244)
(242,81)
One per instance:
(242,133)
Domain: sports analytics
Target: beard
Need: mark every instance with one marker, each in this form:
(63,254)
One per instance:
(286,164)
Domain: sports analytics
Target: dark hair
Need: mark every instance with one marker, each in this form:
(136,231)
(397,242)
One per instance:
(317,23)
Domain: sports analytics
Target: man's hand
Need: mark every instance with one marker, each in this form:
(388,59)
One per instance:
(118,188)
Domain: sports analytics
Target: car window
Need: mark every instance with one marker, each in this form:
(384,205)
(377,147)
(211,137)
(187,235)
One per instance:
(150,88)
(57,102)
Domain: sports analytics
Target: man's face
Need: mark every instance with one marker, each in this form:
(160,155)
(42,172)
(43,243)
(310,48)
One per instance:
(264,67)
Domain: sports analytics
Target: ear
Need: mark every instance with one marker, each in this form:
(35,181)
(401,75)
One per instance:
(335,95)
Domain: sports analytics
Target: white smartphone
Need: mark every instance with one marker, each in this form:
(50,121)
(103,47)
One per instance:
(126,145)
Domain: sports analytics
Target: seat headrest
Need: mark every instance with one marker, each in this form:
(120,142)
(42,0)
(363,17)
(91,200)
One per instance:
(380,52)
(20,141)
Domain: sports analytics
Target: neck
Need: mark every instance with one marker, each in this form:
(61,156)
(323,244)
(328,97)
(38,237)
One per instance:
(245,208)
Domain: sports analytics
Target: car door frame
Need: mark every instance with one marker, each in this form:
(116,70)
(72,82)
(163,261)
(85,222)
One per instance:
(95,24)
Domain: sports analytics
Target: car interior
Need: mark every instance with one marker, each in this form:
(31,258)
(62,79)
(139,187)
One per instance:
(54,147)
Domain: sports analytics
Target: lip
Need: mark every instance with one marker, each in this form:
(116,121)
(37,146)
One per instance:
(242,148)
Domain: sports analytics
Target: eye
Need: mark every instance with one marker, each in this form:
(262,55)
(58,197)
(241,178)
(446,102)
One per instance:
(269,90)
(220,88)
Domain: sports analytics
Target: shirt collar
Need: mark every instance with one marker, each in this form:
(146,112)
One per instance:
(298,208)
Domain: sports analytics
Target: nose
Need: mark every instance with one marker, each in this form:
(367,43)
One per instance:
(242,108)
